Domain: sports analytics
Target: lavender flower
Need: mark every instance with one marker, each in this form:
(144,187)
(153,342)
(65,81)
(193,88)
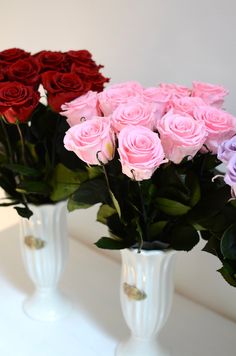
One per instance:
(227,150)
(230,175)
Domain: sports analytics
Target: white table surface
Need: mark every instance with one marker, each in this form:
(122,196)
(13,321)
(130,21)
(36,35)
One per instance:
(95,326)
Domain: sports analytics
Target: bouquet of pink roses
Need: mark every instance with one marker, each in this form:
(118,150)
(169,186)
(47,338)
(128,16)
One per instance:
(34,166)
(153,153)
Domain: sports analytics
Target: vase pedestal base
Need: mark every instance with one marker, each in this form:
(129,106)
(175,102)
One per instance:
(141,347)
(46,305)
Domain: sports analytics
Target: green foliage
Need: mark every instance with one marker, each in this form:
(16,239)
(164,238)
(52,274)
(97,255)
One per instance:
(166,211)
(172,207)
(64,182)
(20,169)
(94,171)
(228,274)
(104,212)
(228,243)
(156,229)
(31,187)
(115,203)
(24,212)
(110,243)
(34,166)
(193,185)
(183,237)
(89,193)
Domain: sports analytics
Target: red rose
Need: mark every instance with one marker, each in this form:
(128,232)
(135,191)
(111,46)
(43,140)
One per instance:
(63,87)
(49,60)
(25,71)
(17,101)
(13,54)
(90,73)
(3,66)
(82,57)
(1,75)
(85,71)
(97,84)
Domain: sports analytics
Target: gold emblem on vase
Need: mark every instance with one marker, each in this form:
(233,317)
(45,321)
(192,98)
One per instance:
(133,292)
(34,243)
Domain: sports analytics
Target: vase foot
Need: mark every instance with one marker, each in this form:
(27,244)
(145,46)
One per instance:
(140,347)
(46,306)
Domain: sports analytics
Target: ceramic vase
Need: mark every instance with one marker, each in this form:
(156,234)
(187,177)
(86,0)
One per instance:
(44,247)
(146,292)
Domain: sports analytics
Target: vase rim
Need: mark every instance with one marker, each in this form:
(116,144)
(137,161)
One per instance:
(151,252)
(47,204)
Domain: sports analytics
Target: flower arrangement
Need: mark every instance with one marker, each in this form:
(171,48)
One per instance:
(152,154)
(34,166)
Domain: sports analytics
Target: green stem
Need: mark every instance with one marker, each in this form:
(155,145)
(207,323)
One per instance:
(104,171)
(9,149)
(23,159)
(22,143)
(144,212)
(113,198)
(54,144)
(106,177)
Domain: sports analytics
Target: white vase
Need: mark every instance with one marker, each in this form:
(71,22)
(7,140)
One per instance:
(44,246)
(146,292)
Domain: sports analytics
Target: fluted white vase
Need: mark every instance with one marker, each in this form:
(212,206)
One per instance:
(146,292)
(44,246)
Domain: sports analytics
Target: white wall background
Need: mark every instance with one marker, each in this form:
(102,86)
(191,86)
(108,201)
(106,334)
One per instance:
(151,41)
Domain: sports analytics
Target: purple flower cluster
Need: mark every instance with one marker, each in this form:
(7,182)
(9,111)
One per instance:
(227,154)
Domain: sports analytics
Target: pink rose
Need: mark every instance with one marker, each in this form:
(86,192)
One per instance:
(157,97)
(132,114)
(186,104)
(85,106)
(211,94)
(140,151)
(92,141)
(175,90)
(181,135)
(113,96)
(220,125)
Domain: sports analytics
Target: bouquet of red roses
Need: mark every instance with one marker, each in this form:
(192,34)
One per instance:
(154,157)
(34,166)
